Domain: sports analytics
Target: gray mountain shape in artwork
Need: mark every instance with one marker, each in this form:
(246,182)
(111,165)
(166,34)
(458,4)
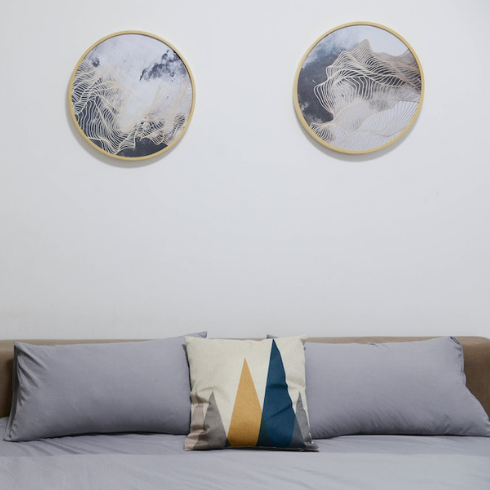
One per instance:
(168,65)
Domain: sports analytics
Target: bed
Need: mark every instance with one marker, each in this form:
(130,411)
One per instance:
(363,460)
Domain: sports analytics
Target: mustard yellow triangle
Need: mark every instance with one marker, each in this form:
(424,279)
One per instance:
(247,414)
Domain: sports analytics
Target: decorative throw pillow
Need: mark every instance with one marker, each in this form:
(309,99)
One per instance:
(63,390)
(248,393)
(415,387)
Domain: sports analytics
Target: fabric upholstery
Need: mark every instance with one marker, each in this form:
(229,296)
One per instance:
(391,388)
(248,393)
(100,387)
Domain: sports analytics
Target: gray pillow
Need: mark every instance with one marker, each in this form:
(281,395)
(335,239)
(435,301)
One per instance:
(414,387)
(89,388)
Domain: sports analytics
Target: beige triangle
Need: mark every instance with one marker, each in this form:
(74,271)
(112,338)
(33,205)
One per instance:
(197,424)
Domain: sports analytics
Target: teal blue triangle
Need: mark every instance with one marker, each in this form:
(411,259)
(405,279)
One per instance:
(278,418)
(263,439)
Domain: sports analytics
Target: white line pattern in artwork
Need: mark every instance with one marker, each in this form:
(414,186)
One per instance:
(372,98)
(118,120)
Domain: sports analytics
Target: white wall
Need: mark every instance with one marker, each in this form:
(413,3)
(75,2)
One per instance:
(247,226)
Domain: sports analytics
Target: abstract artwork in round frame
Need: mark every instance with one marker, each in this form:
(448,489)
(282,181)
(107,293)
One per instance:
(132,95)
(358,88)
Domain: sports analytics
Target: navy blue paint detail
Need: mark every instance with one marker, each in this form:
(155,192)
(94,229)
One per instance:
(278,417)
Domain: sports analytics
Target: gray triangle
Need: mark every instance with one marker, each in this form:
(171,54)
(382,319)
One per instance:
(214,435)
(304,426)
(302,419)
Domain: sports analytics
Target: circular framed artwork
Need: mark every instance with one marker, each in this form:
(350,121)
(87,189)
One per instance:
(132,95)
(359,88)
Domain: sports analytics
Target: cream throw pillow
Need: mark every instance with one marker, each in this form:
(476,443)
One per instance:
(248,393)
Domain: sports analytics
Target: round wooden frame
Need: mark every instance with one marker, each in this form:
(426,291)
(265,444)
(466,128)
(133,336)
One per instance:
(105,116)
(301,84)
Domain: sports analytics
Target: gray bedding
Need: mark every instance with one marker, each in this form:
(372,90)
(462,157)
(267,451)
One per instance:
(157,461)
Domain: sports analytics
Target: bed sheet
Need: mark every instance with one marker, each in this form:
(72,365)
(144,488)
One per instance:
(158,461)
